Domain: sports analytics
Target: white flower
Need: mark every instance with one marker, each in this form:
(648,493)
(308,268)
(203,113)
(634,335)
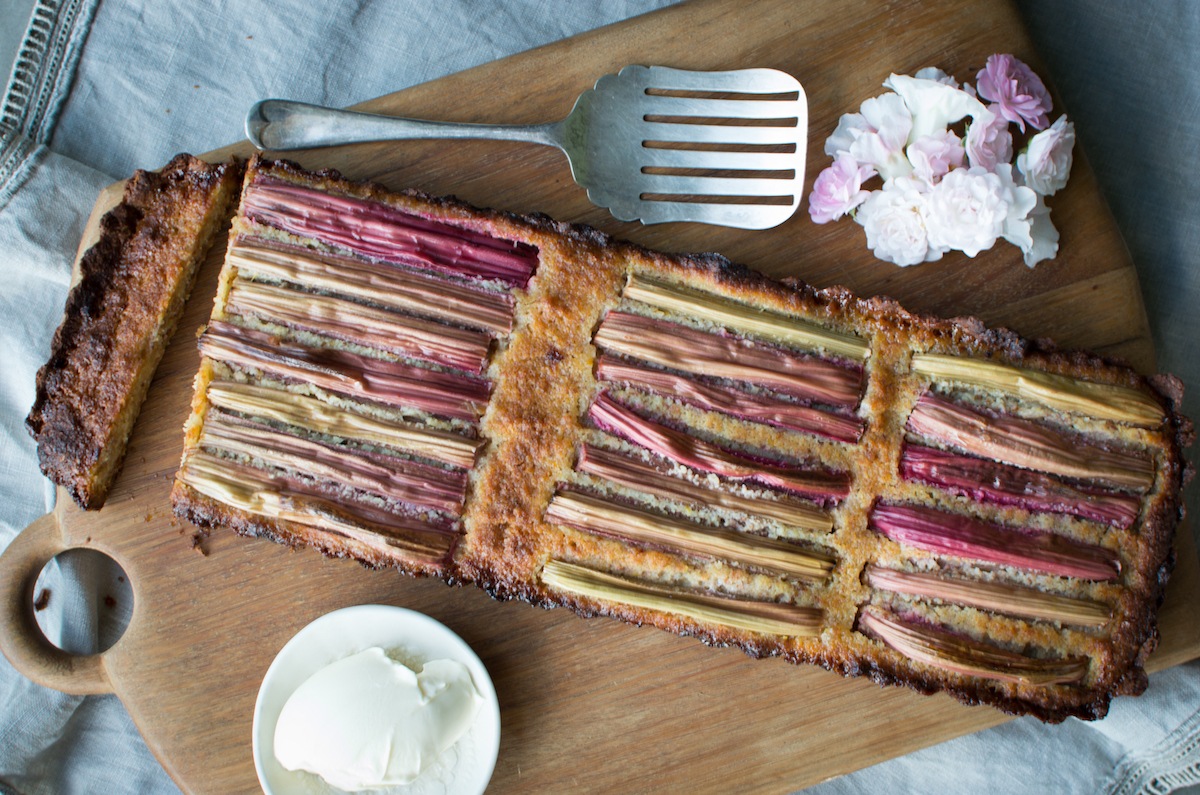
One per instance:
(967,210)
(936,75)
(875,137)
(881,145)
(989,143)
(1017,227)
(894,220)
(934,155)
(935,106)
(1043,235)
(850,126)
(1046,162)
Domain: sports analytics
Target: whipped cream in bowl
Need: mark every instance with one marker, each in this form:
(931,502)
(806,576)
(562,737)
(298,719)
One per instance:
(378,699)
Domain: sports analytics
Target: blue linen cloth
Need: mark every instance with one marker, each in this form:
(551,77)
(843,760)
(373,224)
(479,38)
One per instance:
(100,89)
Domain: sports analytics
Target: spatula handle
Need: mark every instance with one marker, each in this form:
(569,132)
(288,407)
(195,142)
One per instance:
(281,125)
(21,639)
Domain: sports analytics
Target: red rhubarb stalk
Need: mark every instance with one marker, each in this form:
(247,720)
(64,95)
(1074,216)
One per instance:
(755,408)
(678,347)
(990,481)
(385,233)
(964,537)
(611,416)
(1028,444)
(383,283)
(282,496)
(391,477)
(963,655)
(348,374)
(640,476)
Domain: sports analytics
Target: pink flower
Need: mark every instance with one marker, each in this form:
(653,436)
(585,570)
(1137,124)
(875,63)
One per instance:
(989,144)
(934,155)
(1046,163)
(1013,86)
(836,190)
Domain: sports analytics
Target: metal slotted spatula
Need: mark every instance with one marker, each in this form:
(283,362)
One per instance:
(650,144)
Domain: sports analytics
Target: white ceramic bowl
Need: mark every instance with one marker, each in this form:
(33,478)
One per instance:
(410,637)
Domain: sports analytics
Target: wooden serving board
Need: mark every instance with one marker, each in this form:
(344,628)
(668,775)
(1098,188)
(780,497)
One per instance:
(592,705)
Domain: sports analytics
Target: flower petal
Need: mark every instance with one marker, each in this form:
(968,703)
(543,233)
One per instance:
(934,106)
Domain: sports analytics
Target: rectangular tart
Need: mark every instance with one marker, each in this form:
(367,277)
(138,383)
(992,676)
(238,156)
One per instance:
(119,316)
(571,420)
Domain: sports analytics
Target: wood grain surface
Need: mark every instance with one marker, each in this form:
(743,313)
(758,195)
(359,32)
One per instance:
(597,706)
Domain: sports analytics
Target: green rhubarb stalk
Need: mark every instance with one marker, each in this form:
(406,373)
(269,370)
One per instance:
(622,521)
(1103,401)
(743,318)
(767,618)
(313,415)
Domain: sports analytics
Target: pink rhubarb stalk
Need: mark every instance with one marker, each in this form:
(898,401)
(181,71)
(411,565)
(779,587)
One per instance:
(964,537)
(381,232)
(640,476)
(1003,598)
(755,408)
(611,416)
(678,347)
(990,481)
(348,374)
(391,477)
(444,299)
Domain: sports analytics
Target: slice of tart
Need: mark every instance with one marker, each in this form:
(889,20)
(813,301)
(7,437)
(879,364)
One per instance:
(119,316)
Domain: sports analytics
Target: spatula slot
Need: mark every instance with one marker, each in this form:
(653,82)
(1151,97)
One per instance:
(786,96)
(726,121)
(710,199)
(721,173)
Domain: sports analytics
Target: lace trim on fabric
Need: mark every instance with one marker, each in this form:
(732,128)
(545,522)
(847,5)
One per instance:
(41,79)
(1173,763)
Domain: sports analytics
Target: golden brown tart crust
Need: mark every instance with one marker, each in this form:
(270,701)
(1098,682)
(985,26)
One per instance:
(119,316)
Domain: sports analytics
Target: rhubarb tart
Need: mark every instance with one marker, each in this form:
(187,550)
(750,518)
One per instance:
(675,440)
